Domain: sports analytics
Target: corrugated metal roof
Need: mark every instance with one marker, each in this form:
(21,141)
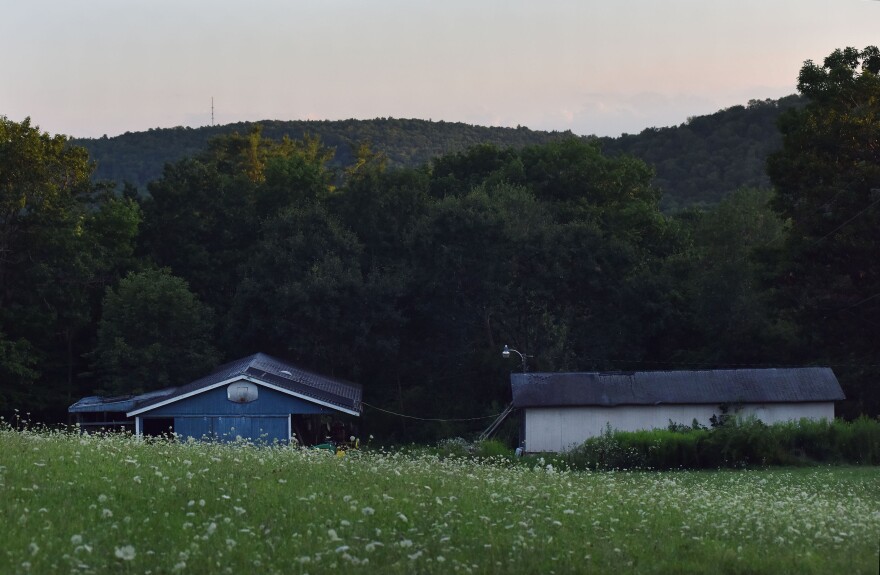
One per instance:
(97,403)
(282,374)
(258,366)
(789,385)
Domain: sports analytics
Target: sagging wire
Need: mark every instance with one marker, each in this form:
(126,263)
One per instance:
(428,418)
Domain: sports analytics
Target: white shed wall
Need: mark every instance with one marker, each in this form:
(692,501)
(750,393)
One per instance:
(562,428)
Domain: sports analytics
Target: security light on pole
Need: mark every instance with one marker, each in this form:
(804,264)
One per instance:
(505,353)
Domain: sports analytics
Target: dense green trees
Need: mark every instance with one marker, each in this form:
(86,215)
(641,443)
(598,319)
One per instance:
(409,280)
(62,240)
(154,333)
(384,274)
(827,178)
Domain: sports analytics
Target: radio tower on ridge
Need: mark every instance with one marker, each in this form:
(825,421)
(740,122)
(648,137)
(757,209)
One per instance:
(212,110)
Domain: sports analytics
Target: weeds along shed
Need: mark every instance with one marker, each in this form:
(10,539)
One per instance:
(258,397)
(561,410)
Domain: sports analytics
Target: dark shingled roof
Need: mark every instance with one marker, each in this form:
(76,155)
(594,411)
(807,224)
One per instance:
(790,385)
(258,366)
(266,368)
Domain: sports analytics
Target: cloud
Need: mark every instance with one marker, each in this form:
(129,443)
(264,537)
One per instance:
(611,114)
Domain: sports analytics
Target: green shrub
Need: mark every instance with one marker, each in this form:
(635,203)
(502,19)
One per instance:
(737,443)
(493,448)
(859,441)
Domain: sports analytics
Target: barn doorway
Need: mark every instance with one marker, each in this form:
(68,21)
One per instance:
(158,427)
(316,429)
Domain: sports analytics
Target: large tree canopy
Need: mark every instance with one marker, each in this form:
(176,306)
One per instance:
(154,333)
(827,178)
(62,240)
(203,217)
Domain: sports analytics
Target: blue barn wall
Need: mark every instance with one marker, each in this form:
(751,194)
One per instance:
(211,414)
(226,428)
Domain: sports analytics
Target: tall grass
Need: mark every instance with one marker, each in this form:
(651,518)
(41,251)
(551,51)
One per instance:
(117,504)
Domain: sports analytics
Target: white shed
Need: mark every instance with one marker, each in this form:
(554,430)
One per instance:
(562,410)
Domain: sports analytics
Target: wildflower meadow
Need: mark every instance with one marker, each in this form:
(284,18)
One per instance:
(116,504)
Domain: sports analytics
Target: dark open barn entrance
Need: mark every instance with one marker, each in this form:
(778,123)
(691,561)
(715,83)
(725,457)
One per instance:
(315,429)
(158,426)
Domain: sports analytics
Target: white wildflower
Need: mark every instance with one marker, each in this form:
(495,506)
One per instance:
(126,553)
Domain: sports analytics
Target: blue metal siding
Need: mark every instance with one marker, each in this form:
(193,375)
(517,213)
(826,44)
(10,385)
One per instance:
(226,428)
(215,403)
(195,427)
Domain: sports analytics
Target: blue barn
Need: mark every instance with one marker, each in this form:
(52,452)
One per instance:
(259,398)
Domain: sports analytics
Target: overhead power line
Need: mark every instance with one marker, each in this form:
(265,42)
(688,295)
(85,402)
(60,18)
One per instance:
(428,418)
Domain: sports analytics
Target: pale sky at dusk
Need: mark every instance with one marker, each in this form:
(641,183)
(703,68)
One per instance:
(97,67)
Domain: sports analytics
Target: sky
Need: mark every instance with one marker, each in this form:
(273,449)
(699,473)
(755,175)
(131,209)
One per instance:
(95,67)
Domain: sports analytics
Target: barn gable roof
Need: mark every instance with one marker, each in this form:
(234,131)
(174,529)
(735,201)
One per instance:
(272,372)
(259,368)
(790,385)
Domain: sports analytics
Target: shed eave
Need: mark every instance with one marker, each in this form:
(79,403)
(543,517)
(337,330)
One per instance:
(251,379)
(668,403)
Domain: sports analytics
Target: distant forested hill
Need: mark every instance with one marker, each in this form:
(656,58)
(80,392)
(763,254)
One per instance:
(703,160)
(697,163)
(138,157)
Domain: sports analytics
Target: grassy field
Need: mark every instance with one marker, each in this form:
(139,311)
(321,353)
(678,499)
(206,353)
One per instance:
(86,504)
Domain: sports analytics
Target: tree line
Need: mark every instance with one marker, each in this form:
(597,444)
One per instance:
(410,280)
